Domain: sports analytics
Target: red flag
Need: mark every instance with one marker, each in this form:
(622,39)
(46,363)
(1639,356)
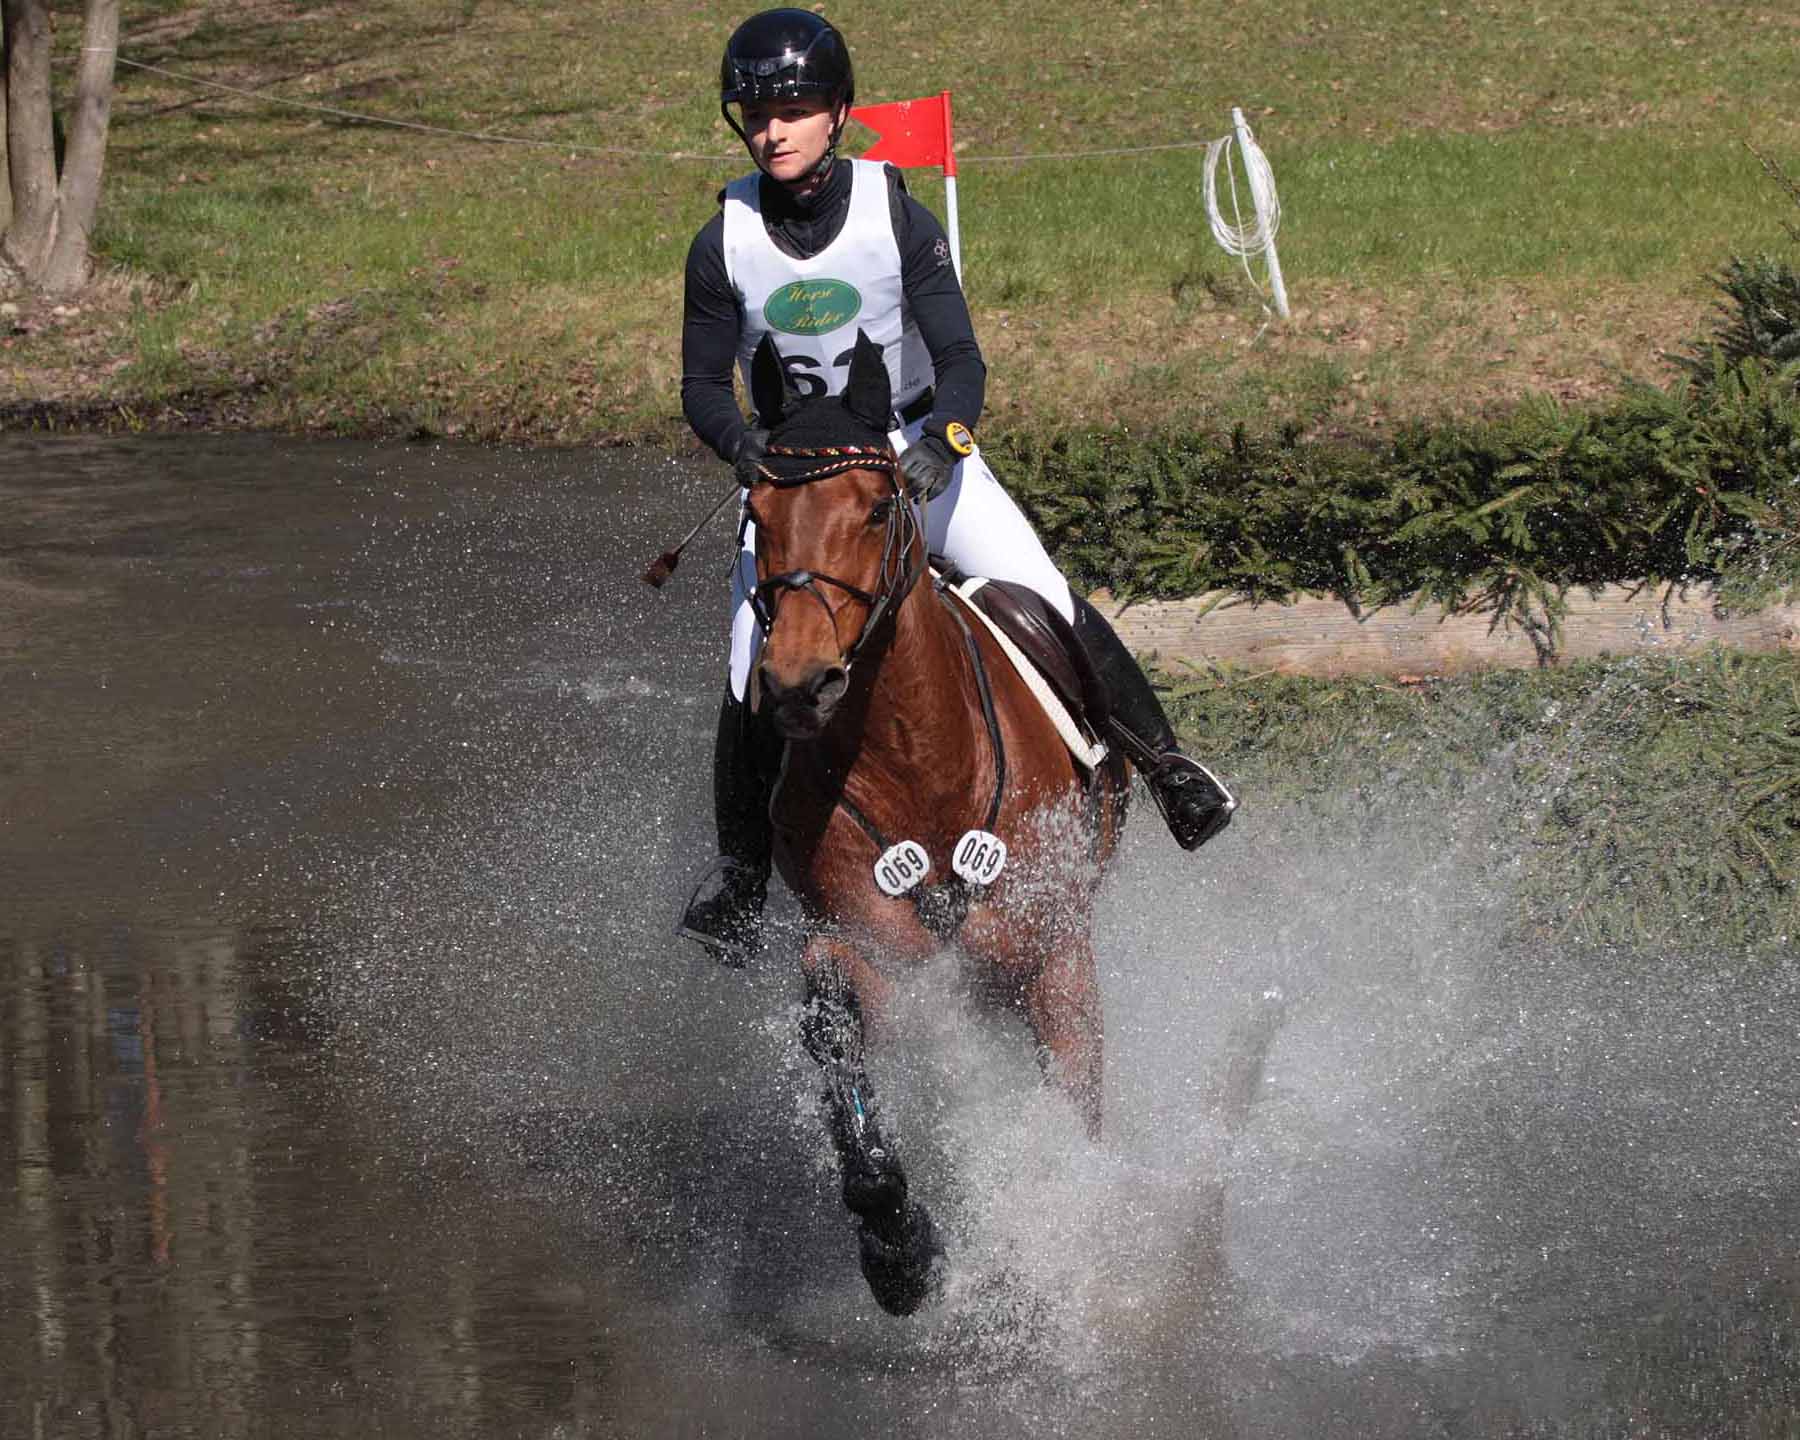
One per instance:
(913,132)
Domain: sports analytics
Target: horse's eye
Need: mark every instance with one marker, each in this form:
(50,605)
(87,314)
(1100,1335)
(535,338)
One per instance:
(879,512)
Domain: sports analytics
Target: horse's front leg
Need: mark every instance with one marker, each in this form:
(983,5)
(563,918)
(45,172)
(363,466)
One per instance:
(1062,1002)
(899,1244)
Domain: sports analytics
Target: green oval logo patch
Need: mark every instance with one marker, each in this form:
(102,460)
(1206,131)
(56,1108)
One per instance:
(812,307)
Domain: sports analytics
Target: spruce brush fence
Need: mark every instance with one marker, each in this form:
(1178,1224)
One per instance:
(1696,484)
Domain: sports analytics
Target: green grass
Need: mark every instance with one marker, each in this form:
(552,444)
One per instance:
(1413,210)
(1645,802)
(1460,188)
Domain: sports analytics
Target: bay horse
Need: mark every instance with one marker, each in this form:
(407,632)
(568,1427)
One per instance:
(908,733)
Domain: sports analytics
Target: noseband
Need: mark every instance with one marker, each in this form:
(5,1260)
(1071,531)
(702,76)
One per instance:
(897,577)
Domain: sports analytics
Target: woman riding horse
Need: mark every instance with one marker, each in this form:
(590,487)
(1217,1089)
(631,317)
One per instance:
(816,247)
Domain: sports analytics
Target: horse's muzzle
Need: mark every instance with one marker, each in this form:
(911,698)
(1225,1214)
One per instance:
(801,710)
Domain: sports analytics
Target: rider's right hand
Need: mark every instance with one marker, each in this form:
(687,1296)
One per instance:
(753,445)
(928,467)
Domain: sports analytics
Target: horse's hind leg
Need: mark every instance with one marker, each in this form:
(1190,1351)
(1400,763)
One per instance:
(899,1243)
(1062,1002)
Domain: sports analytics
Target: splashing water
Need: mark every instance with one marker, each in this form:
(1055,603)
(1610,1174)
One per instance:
(1313,1046)
(356,1081)
(1360,1132)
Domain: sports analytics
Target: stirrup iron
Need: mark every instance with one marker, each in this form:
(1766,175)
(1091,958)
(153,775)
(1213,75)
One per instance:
(724,914)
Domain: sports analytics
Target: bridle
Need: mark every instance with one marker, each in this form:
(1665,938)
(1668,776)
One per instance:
(897,576)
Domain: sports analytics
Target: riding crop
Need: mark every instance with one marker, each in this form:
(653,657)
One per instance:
(657,573)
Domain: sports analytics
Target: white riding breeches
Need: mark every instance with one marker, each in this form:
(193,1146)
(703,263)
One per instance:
(974,524)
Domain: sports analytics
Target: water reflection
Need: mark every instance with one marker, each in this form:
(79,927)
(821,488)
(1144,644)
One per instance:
(206,1233)
(200,1232)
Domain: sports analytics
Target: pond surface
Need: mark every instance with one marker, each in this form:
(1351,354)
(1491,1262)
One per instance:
(352,1085)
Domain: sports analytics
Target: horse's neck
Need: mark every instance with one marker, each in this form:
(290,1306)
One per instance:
(911,725)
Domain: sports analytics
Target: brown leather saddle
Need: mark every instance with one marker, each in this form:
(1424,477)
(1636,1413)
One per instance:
(1048,641)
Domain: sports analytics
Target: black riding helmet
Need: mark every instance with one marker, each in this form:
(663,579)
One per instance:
(782,53)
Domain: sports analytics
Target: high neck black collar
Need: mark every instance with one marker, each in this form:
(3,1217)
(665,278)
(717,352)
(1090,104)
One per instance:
(780,203)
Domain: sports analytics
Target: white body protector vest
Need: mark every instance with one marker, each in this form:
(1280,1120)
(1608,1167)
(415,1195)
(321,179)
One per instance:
(814,307)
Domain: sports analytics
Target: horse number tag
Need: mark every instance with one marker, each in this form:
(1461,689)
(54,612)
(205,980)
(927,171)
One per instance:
(901,867)
(980,857)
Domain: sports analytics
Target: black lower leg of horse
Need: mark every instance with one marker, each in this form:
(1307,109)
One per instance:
(831,1028)
(898,1243)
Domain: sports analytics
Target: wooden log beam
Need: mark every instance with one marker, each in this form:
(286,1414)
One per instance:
(1319,636)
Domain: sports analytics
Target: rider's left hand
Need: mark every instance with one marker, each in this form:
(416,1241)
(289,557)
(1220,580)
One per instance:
(927,466)
(751,447)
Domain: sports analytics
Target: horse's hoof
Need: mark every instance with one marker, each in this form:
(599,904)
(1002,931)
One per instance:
(903,1262)
(875,1194)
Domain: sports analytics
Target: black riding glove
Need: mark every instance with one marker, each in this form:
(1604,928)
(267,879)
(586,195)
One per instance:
(927,465)
(752,446)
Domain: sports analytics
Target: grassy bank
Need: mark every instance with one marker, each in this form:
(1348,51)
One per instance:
(1479,203)
(1643,802)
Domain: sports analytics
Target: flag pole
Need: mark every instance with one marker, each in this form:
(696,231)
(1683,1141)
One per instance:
(1262,195)
(950,189)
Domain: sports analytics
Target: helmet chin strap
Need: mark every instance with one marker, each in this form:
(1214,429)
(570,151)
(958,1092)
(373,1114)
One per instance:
(823,168)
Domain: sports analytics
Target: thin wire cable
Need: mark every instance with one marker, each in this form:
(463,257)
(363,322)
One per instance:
(492,138)
(486,136)
(1084,154)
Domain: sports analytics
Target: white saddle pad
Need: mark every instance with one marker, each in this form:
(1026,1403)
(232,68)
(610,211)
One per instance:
(1088,752)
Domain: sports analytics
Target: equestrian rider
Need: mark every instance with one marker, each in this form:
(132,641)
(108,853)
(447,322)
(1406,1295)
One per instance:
(806,214)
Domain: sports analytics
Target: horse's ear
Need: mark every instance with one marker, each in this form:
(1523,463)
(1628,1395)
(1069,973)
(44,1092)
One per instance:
(770,391)
(868,392)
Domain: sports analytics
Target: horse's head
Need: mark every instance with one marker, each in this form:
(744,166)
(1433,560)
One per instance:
(837,543)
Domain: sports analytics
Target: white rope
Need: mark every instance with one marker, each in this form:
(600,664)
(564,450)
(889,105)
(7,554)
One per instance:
(1246,240)
(1239,238)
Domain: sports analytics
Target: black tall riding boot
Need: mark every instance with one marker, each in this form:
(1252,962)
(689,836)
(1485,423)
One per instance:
(725,911)
(1192,800)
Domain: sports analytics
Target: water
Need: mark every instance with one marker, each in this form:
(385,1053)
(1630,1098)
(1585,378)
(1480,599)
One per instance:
(352,1085)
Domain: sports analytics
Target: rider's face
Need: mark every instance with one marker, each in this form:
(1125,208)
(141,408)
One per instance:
(788,137)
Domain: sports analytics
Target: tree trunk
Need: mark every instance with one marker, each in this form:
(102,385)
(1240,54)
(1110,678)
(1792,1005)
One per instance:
(31,147)
(6,205)
(79,193)
(47,224)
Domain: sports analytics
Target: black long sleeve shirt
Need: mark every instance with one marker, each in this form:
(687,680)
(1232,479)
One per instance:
(712,314)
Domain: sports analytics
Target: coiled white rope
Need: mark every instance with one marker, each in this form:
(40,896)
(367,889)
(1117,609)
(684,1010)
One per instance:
(1256,237)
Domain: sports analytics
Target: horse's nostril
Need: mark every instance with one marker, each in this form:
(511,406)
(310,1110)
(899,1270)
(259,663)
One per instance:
(818,691)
